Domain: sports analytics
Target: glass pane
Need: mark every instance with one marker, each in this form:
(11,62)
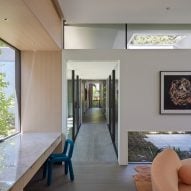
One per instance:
(143,146)
(96,95)
(94,36)
(75,105)
(9,123)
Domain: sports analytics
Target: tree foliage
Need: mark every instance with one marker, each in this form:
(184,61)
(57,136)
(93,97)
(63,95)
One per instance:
(2,44)
(5,103)
(155,39)
(6,117)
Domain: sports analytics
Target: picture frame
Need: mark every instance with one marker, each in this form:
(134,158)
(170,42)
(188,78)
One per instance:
(175,92)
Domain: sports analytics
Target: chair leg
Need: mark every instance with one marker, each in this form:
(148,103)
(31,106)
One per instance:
(44,170)
(49,173)
(71,170)
(66,167)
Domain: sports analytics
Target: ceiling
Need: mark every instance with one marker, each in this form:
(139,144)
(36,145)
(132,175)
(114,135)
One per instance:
(121,11)
(36,25)
(126,11)
(96,70)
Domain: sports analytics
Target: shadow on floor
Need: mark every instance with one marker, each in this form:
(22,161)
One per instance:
(94,177)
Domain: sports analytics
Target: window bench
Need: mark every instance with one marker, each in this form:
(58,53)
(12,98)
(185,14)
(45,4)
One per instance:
(22,155)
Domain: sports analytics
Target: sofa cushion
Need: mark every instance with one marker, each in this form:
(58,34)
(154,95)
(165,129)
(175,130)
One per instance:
(164,171)
(184,172)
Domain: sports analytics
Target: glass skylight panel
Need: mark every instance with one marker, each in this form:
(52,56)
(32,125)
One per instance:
(153,41)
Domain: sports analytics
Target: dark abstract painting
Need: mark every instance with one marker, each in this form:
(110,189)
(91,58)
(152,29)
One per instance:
(175,92)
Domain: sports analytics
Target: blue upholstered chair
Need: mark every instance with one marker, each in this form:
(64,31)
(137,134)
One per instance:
(65,157)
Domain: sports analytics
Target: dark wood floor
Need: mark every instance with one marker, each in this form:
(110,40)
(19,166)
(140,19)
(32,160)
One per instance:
(88,177)
(94,161)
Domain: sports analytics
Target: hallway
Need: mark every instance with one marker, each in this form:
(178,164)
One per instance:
(93,143)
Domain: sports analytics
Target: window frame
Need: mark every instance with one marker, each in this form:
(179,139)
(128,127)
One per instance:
(17,85)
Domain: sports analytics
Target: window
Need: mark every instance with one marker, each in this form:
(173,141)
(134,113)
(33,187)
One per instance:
(143,146)
(9,90)
(154,41)
(96,95)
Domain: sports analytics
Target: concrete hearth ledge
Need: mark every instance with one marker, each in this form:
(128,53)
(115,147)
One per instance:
(22,155)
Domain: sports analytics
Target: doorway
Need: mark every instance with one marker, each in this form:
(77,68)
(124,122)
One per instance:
(90,99)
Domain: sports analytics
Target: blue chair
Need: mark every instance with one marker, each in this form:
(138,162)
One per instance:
(65,157)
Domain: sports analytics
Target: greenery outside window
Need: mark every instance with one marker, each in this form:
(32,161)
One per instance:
(96,95)
(154,41)
(9,90)
(143,146)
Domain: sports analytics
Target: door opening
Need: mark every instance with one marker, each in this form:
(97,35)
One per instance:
(93,97)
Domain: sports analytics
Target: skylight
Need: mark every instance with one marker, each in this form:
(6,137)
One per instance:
(153,41)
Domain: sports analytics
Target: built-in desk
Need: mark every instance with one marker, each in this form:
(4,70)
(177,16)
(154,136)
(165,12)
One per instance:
(22,155)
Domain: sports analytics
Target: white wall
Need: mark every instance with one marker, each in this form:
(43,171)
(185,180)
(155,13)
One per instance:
(139,88)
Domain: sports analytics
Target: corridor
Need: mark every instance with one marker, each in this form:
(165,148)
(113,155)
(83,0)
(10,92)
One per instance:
(93,143)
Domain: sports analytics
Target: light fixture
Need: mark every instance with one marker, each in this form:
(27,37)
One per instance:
(4,19)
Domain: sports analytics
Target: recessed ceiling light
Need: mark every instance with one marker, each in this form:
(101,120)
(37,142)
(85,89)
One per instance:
(4,19)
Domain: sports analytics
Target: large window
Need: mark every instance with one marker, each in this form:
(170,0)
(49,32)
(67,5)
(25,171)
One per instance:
(9,90)
(143,146)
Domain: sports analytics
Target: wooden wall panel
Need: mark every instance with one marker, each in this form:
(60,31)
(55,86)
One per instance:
(45,12)
(41,91)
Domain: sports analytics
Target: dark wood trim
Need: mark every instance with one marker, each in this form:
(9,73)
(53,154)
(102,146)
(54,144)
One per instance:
(10,45)
(18,82)
(125,36)
(114,146)
(113,105)
(73,104)
(115,149)
(77,108)
(64,24)
(109,125)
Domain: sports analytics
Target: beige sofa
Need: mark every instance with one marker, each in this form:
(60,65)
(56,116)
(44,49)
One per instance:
(169,173)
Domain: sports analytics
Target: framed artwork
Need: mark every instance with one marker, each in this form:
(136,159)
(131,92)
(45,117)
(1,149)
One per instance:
(175,92)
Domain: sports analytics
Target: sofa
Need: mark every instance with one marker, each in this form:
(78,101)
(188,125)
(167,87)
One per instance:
(169,173)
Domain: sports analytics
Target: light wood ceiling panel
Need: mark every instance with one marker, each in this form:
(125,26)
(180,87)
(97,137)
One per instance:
(21,28)
(45,11)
